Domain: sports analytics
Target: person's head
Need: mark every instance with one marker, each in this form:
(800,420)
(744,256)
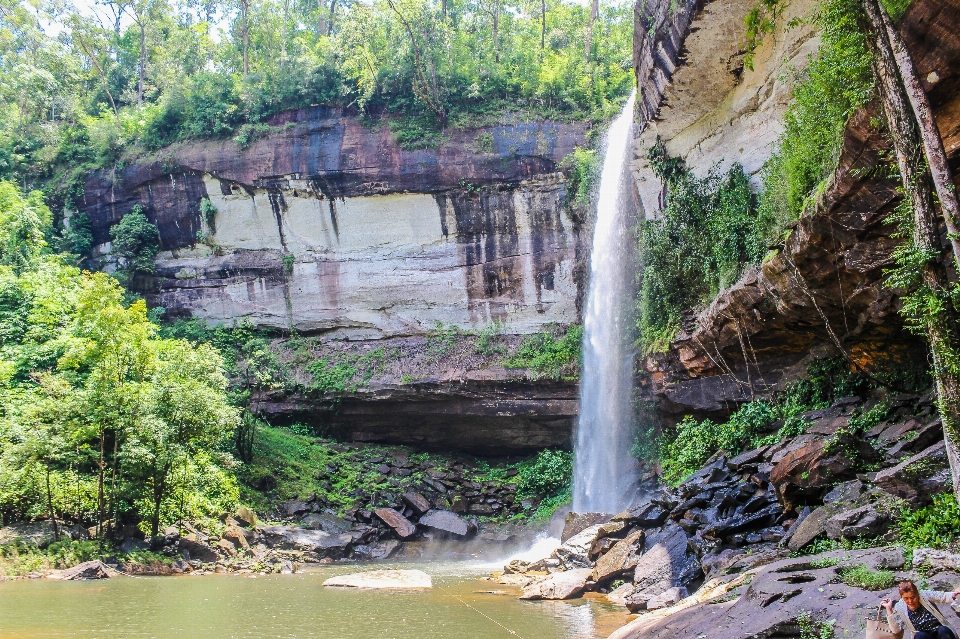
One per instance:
(910,594)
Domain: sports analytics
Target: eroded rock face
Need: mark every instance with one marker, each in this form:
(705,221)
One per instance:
(327,226)
(762,331)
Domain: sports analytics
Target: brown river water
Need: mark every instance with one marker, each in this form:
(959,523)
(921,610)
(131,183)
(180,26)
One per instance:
(294,606)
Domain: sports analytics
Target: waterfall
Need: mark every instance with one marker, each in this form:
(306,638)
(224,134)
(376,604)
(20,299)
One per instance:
(603,467)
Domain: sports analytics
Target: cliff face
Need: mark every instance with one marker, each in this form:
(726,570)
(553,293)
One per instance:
(328,226)
(830,270)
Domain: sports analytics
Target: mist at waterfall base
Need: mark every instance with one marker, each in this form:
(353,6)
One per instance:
(603,469)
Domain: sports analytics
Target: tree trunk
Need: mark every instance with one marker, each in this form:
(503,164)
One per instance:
(333,9)
(159,488)
(496,31)
(941,324)
(930,134)
(245,34)
(103,78)
(594,10)
(53,515)
(143,62)
(424,80)
(100,473)
(543,25)
(283,41)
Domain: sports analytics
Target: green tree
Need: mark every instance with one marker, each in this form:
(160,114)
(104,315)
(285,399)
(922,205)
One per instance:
(23,222)
(136,240)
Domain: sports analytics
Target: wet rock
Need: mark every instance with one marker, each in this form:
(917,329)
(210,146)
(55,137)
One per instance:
(575,552)
(747,458)
(320,542)
(575,523)
(646,515)
(95,569)
(666,562)
(858,522)
(918,478)
(560,585)
(416,501)
(742,522)
(622,556)
(400,524)
(927,436)
(820,463)
(667,598)
(383,579)
(446,522)
(480,509)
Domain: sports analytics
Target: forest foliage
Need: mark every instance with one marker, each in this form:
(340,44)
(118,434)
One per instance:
(98,87)
(101,418)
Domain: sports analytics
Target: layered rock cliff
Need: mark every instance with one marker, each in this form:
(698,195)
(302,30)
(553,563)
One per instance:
(326,225)
(828,274)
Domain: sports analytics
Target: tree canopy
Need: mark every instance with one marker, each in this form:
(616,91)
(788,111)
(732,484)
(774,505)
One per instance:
(124,77)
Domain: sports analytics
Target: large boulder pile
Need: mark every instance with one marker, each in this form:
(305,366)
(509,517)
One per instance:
(741,512)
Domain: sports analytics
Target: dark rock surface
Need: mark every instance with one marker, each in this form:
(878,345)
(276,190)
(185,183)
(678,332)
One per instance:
(400,524)
(95,569)
(446,522)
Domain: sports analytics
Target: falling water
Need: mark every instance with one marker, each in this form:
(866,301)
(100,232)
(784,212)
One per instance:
(603,468)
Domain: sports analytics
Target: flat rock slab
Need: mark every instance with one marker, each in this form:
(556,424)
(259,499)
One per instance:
(382,579)
(446,522)
(87,570)
(400,524)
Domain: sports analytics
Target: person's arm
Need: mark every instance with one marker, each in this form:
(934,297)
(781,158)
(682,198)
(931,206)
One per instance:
(892,618)
(935,596)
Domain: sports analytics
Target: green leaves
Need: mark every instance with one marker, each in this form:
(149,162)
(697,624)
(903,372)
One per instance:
(136,240)
(936,525)
(705,236)
(23,223)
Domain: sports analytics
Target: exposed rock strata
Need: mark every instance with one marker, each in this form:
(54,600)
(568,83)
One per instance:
(760,332)
(328,226)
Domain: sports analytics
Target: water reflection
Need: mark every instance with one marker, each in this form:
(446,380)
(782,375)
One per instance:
(295,606)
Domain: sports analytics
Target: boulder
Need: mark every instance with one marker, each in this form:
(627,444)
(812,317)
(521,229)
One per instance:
(820,463)
(418,502)
(293,508)
(813,525)
(847,491)
(559,585)
(400,524)
(623,556)
(195,549)
(132,544)
(383,579)
(40,533)
(575,552)
(226,547)
(618,596)
(575,523)
(667,561)
(446,522)
(95,569)
(237,535)
(246,517)
(328,522)
(918,478)
(667,598)
(304,539)
(857,522)
(749,457)
(927,436)
(935,560)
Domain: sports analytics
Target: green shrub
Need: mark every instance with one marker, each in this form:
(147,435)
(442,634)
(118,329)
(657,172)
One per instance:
(861,576)
(701,242)
(812,628)
(137,240)
(835,83)
(583,171)
(550,473)
(549,354)
(936,525)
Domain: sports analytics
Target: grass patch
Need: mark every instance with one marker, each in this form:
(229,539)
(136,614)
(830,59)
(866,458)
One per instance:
(550,354)
(863,577)
(18,558)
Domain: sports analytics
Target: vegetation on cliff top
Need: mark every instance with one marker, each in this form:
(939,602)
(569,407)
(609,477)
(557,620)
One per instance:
(95,88)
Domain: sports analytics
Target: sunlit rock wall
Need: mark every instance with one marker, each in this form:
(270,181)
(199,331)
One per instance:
(327,226)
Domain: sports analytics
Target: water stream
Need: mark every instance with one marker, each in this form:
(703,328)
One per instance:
(603,467)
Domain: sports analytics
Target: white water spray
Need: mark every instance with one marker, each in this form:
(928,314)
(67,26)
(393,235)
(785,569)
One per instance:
(603,467)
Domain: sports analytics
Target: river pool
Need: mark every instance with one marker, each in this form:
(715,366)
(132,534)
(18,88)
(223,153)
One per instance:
(294,606)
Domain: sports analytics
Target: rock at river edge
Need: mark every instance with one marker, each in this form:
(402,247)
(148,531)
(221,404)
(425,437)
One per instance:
(383,579)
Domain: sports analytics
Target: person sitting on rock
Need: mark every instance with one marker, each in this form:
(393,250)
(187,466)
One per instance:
(916,612)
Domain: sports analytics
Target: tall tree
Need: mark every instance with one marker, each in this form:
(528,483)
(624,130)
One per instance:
(931,303)
(588,41)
